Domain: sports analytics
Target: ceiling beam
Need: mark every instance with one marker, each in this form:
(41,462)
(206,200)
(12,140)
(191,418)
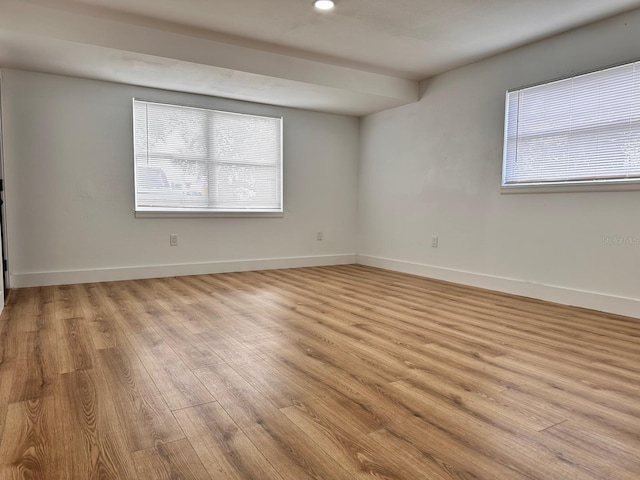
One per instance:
(34,37)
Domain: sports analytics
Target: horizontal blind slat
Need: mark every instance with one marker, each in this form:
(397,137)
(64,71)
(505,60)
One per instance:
(577,129)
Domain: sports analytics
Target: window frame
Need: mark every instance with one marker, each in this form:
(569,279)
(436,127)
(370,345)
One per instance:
(169,212)
(592,185)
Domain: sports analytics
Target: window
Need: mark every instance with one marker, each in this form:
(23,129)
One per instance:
(583,130)
(197,160)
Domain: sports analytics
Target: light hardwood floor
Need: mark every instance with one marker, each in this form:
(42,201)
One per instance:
(343,372)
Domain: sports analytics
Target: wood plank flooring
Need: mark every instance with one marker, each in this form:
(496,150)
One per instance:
(343,372)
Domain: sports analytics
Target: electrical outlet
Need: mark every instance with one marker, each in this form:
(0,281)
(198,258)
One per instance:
(319,236)
(434,242)
(173,240)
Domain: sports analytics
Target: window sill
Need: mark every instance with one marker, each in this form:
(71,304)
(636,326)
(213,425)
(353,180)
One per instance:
(201,214)
(572,187)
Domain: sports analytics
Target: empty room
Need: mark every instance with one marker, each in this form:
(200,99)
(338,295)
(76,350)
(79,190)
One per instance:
(300,240)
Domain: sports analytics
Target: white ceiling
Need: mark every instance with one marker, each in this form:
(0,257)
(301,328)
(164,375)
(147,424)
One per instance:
(365,56)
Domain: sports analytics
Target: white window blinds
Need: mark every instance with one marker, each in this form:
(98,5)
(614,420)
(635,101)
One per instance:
(198,160)
(580,130)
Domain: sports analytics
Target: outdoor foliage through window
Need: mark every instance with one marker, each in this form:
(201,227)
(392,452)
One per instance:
(194,159)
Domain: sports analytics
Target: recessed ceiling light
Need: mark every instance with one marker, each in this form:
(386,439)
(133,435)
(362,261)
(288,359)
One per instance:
(324,4)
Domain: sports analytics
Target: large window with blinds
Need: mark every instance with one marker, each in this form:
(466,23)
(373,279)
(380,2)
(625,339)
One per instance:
(194,160)
(583,130)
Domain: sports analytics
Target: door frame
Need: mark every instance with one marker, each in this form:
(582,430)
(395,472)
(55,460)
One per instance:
(3,211)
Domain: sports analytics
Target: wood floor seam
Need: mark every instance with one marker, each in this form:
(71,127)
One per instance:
(552,426)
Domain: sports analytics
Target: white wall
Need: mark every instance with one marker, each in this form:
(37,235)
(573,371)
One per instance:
(433,168)
(430,168)
(69,171)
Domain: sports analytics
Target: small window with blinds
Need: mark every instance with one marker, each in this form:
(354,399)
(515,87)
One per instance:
(194,160)
(579,131)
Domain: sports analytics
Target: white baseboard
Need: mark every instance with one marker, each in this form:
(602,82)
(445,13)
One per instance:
(566,296)
(37,279)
